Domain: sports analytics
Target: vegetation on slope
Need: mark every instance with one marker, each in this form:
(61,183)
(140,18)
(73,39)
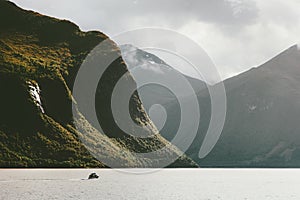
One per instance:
(39,52)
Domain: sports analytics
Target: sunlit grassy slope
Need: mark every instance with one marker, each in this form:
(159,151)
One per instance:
(37,51)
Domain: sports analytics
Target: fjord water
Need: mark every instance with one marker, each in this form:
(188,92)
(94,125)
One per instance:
(200,184)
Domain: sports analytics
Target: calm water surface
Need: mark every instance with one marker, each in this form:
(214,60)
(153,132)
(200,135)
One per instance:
(198,184)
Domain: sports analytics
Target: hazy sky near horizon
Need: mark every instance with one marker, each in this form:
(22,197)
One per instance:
(236,34)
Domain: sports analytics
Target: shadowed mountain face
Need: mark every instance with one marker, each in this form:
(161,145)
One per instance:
(261,128)
(39,60)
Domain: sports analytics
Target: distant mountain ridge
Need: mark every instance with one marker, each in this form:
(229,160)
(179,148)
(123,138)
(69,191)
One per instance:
(261,128)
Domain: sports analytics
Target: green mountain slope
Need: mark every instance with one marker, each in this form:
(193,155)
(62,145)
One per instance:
(39,59)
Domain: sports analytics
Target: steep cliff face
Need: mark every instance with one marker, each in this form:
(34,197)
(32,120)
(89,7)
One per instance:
(39,60)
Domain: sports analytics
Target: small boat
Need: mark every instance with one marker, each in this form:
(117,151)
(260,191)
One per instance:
(93,176)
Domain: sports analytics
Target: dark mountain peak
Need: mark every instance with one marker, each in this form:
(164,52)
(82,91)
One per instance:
(136,56)
(291,51)
(48,30)
(286,65)
(151,64)
(9,11)
(294,48)
(288,60)
(6,5)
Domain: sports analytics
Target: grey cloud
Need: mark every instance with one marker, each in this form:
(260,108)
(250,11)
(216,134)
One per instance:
(176,13)
(114,16)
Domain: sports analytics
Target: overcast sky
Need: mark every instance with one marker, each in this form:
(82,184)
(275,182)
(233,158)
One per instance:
(236,34)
